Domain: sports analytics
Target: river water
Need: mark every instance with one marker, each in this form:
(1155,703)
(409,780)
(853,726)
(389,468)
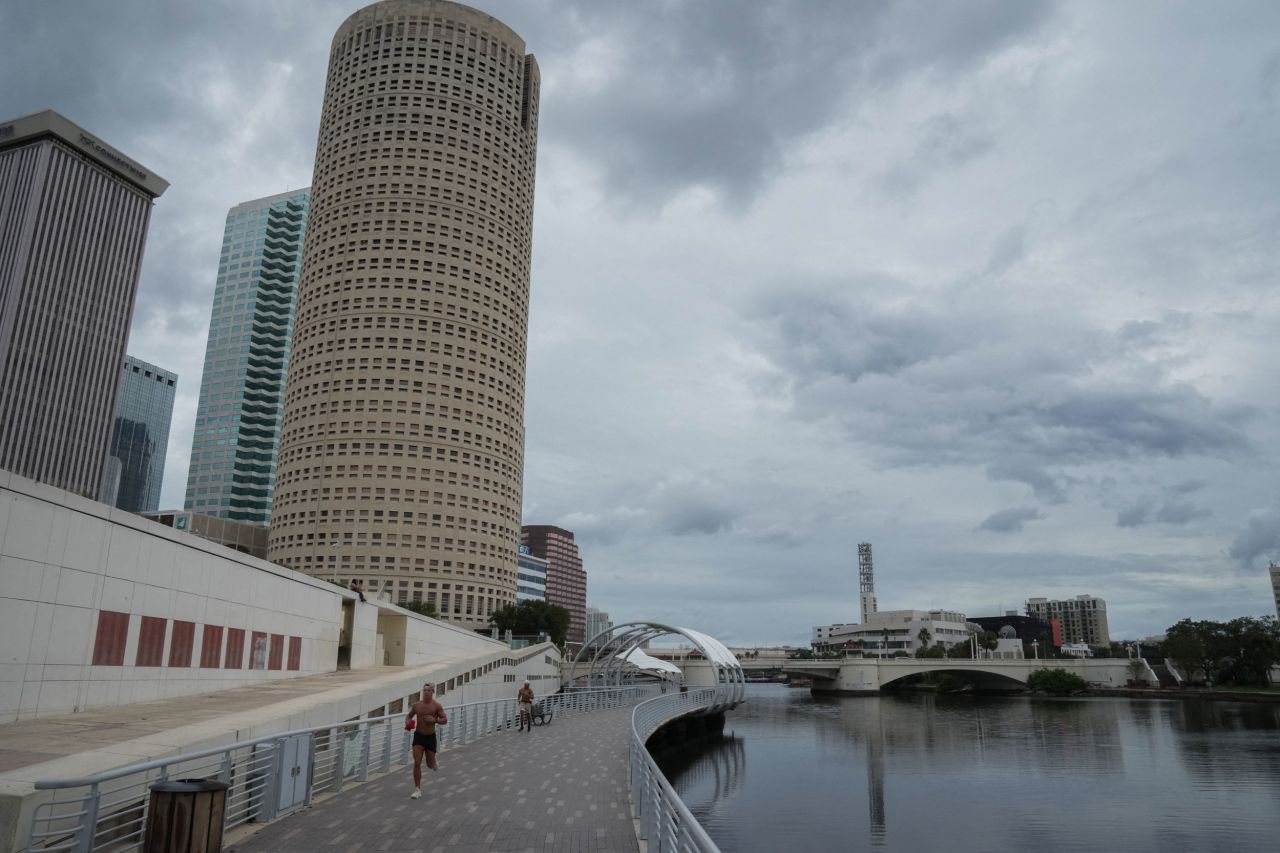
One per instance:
(917,772)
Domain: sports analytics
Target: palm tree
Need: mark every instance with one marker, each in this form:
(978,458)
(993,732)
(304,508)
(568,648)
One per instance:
(924,637)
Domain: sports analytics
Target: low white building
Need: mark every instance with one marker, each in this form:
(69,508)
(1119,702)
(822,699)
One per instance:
(890,631)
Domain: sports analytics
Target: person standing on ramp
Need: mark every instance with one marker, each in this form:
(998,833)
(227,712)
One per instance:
(524,701)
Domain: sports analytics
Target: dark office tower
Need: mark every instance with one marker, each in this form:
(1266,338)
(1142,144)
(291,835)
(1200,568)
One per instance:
(566,579)
(73,222)
(401,454)
(139,438)
(232,473)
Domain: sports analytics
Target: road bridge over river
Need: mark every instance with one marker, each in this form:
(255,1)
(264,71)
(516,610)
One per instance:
(868,675)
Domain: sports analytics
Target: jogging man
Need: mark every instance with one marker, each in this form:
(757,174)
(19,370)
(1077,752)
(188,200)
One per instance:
(428,713)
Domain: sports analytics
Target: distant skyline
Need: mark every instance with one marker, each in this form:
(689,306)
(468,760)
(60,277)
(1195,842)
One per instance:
(988,285)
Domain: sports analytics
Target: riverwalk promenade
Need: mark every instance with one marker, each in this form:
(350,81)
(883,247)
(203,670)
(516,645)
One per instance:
(69,745)
(561,787)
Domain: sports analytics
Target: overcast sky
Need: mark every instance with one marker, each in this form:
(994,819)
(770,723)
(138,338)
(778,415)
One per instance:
(992,286)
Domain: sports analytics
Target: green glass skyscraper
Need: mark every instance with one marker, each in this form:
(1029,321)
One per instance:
(237,431)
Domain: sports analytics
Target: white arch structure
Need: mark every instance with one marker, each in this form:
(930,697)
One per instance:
(617,651)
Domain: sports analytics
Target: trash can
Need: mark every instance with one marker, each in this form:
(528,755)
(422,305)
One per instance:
(186,816)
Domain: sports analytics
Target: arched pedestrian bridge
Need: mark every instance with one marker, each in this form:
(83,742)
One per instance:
(616,656)
(868,675)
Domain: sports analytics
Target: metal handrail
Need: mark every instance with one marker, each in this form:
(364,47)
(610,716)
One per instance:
(665,822)
(97,815)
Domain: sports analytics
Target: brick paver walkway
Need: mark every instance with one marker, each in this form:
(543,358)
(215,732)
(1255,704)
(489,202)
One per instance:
(562,787)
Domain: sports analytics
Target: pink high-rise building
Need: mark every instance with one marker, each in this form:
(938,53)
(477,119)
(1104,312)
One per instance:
(566,579)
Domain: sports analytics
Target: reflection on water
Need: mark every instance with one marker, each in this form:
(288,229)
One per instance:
(918,772)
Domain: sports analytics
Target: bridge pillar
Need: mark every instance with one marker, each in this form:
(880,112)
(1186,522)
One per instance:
(855,675)
(698,673)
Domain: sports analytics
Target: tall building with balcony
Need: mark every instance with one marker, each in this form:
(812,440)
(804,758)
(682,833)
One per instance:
(134,471)
(74,213)
(566,579)
(232,471)
(402,451)
(1083,618)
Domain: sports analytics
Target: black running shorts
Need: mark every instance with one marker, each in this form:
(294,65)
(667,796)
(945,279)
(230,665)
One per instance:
(427,742)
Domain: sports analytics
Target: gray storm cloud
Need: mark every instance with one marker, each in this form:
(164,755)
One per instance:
(987,284)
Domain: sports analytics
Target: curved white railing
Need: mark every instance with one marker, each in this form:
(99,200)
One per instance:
(108,811)
(666,823)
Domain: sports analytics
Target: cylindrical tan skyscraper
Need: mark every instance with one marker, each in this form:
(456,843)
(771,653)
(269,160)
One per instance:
(401,452)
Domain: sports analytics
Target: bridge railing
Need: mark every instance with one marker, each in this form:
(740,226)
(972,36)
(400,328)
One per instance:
(273,774)
(666,823)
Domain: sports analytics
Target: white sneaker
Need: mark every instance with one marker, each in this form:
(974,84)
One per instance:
(417,793)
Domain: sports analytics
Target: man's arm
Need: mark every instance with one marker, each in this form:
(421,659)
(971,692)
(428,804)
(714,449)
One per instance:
(441,719)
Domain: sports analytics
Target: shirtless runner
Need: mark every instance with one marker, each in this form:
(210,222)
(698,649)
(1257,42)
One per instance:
(429,714)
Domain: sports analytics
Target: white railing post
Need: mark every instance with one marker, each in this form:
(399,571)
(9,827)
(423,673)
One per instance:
(271,787)
(88,831)
(366,728)
(338,749)
(311,769)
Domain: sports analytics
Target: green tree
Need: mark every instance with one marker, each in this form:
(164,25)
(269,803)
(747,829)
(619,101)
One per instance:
(1255,647)
(1241,651)
(960,651)
(422,608)
(1055,681)
(1185,646)
(533,617)
(924,637)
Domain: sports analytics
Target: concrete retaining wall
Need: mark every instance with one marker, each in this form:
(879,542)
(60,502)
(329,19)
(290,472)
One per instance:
(99,608)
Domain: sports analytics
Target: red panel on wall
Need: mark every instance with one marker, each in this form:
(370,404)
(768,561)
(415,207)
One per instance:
(258,650)
(295,653)
(235,648)
(277,652)
(184,640)
(211,647)
(113,633)
(1055,625)
(151,641)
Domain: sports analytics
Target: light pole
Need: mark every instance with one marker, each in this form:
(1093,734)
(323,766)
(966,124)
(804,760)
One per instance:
(1035,649)
(333,575)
